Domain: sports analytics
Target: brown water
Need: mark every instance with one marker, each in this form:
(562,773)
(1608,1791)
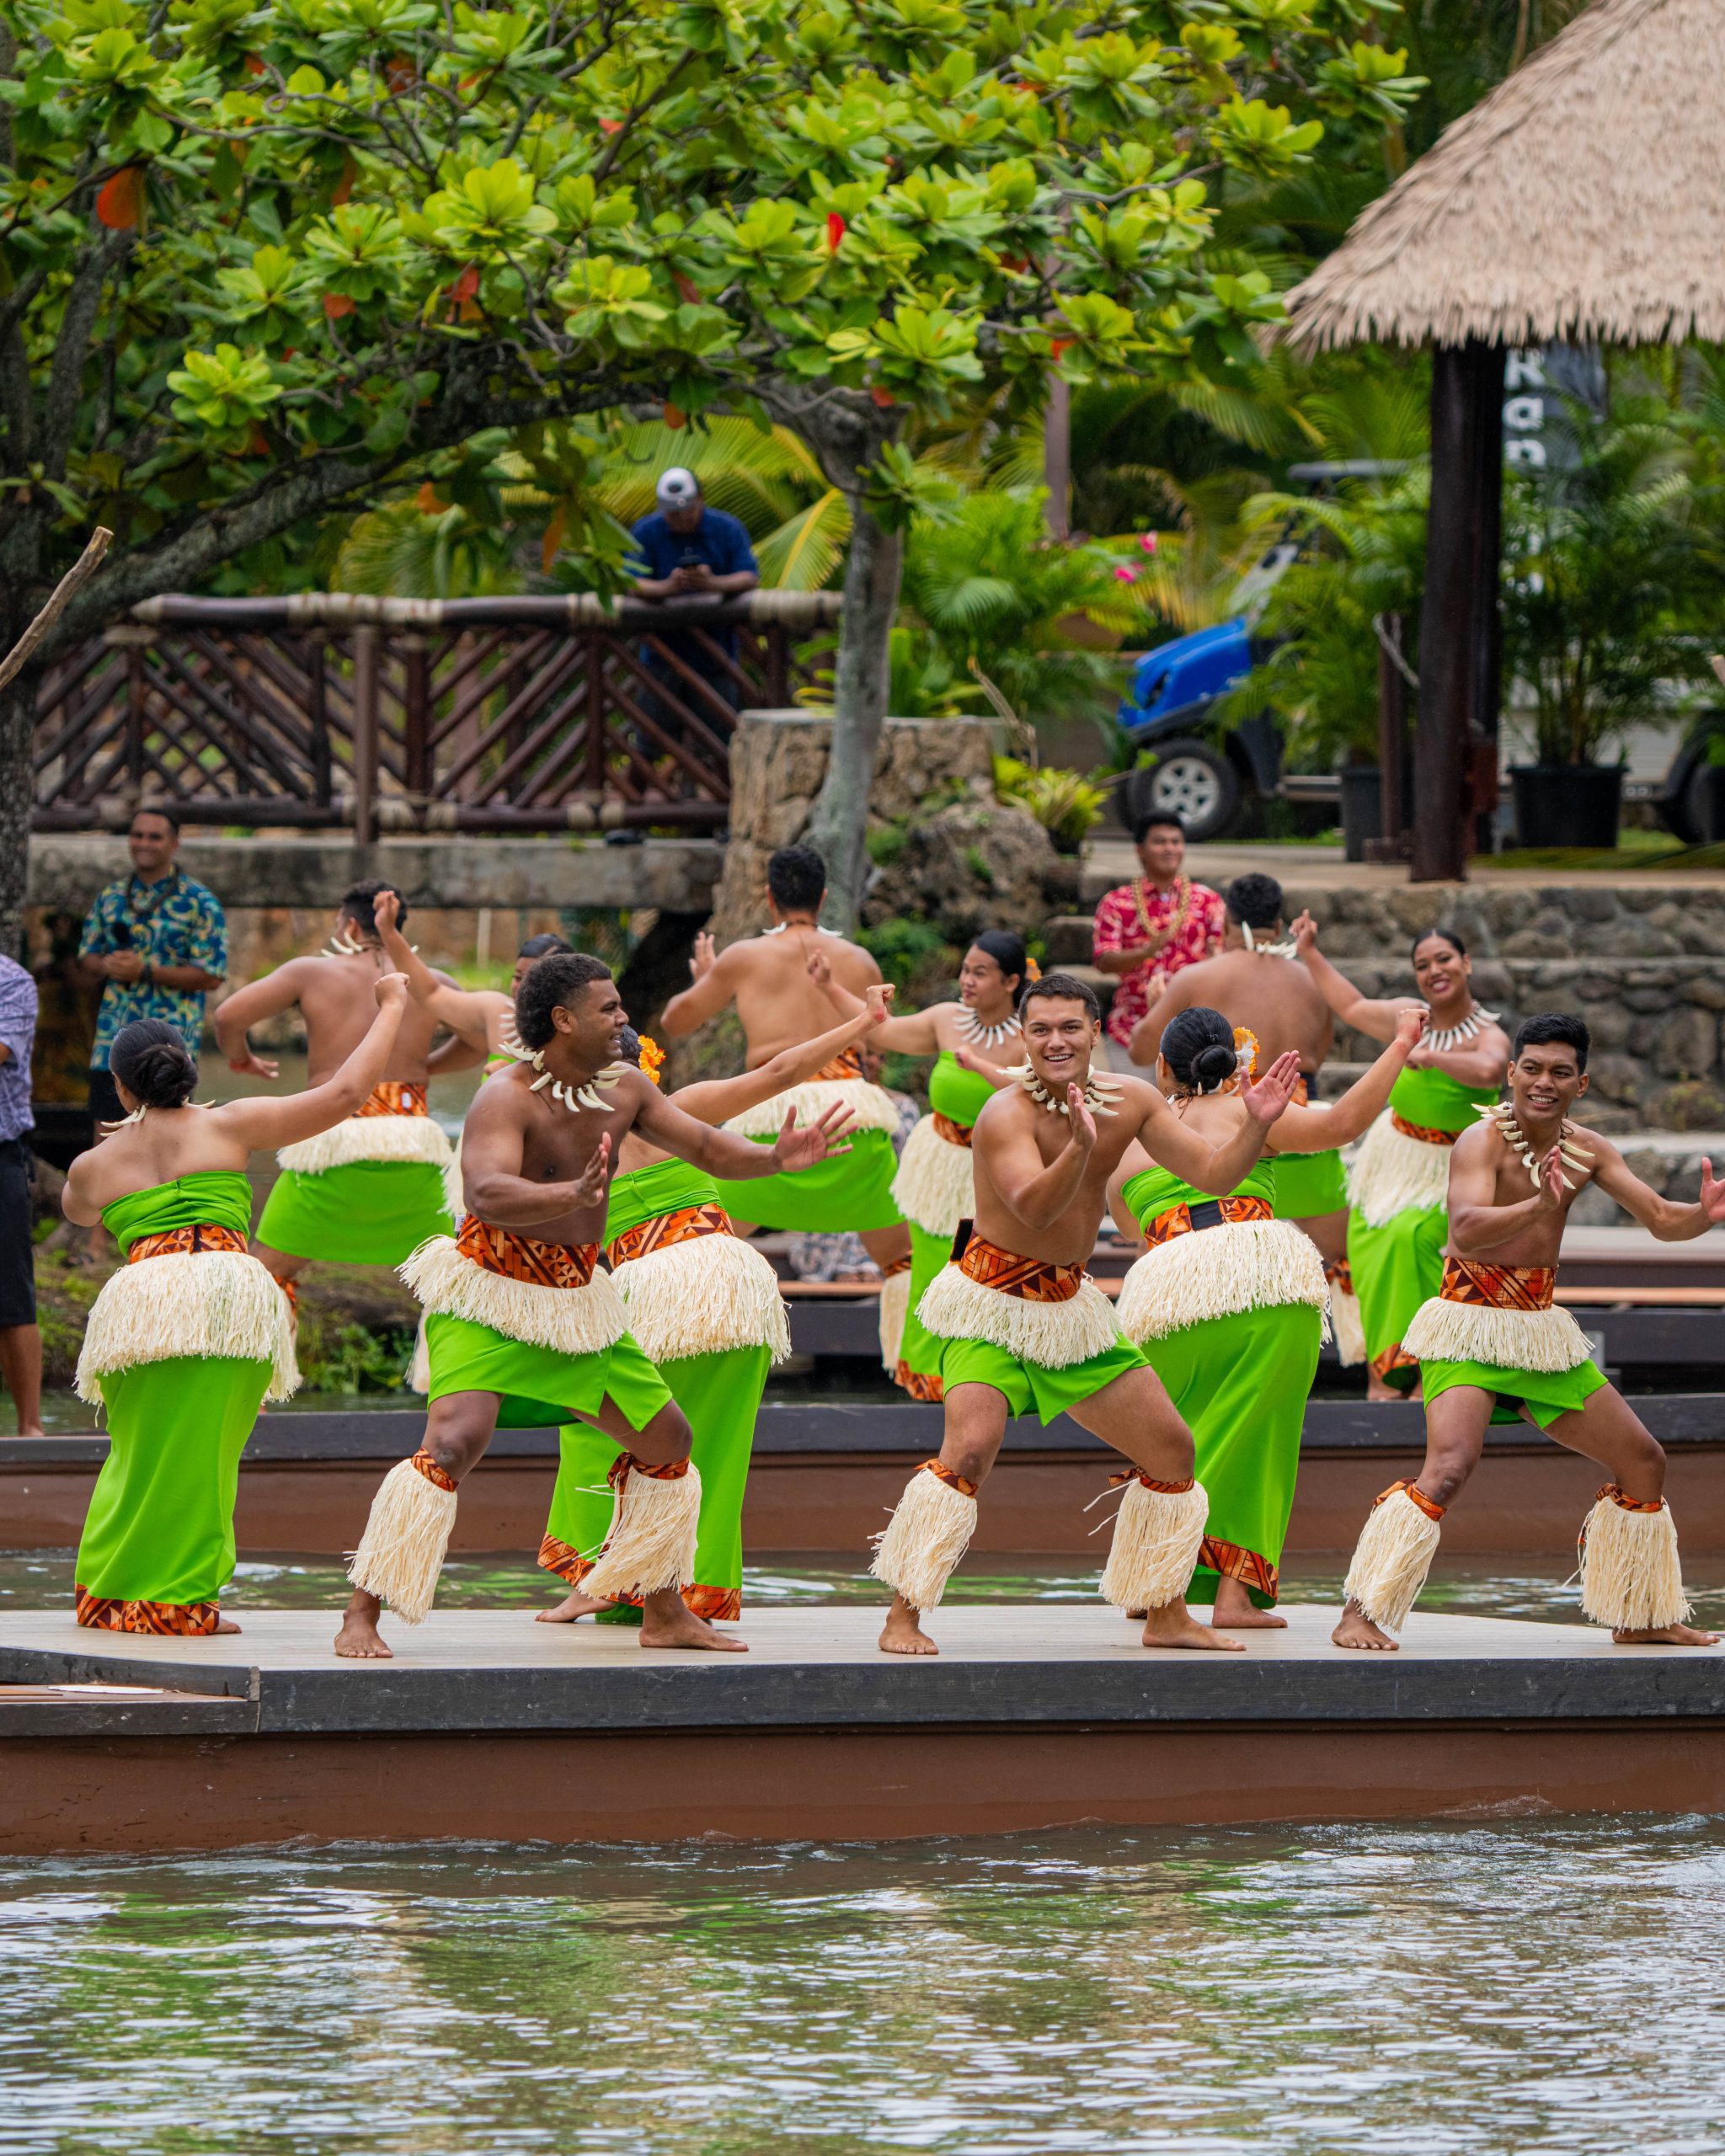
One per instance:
(1480,1989)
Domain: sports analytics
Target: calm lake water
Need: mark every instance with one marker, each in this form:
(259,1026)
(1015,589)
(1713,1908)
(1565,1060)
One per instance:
(1520,1986)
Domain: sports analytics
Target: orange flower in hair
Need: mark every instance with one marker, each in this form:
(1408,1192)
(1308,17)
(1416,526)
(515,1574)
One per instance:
(652,1057)
(1246,1047)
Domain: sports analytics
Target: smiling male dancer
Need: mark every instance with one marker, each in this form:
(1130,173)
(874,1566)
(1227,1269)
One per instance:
(1254,982)
(767,978)
(1023,1326)
(1493,1347)
(521,1329)
(368,1191)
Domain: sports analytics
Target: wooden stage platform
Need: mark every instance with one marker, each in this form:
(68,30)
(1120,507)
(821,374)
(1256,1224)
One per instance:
(487,1725)
(826,1472)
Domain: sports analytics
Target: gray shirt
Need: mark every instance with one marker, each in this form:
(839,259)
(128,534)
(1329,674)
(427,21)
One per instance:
(17,1033)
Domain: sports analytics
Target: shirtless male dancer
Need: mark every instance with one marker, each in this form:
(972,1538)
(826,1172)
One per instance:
(522,1329)
(1493,1347)
(1024,1327)
(781,1007)
(369,1190)
(1253,983)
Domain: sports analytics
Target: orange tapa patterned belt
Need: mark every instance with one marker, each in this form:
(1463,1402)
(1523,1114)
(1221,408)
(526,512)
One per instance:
(688,1224)
(184,1242)
(394,1096)
(518,1257)
(1499,1287)
(1027,1277)
(1186,1219)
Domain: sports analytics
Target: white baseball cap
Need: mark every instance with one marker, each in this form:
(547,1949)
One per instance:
(677,488)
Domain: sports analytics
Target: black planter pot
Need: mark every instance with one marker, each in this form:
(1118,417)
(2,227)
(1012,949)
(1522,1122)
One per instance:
(1709,797)
(1362,807)
(1567,804)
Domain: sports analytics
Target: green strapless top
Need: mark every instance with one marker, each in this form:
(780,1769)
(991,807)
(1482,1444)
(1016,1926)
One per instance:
(644,1194)
(214,1197)
(1437,1102)
(1159,1190)
(958,1094)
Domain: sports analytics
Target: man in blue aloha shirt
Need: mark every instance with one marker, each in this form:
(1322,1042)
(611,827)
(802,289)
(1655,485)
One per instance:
(158,942)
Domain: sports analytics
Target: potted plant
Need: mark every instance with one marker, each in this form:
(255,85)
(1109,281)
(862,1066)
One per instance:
(1601,560)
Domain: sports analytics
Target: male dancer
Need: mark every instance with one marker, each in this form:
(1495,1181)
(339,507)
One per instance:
(1252,984)
(781,1007)
(1493,1347)
(522,1329)
(370,1190)
(1023,1326)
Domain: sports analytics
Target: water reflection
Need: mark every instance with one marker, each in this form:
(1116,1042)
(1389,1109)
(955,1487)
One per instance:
(1405,1991)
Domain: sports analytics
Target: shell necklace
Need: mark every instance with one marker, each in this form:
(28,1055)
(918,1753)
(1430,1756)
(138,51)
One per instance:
(574,1098)
(971,1029)
(1100,1092)
(1570,1154)
(1448,1036)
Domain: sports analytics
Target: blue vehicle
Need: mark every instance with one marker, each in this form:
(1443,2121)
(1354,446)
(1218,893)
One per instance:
(1202,767)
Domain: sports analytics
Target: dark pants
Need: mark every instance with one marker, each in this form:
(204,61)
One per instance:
(17,1273)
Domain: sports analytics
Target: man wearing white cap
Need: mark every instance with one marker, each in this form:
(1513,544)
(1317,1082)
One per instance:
(691,552)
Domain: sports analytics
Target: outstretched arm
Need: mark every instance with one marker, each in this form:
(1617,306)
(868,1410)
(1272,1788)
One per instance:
(258,1123)
(1661,1217)
(712,985)
(1218,1169)
(1372,1016)
(472,1014)
(716,1100)
(1313,1129)
(249,1007)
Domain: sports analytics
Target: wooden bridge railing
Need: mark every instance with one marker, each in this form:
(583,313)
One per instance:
(334,709)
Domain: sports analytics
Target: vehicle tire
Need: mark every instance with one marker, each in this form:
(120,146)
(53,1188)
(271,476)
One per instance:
(1196,782)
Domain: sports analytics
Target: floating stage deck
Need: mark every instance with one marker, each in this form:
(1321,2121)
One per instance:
(826,1472)
(491,1726)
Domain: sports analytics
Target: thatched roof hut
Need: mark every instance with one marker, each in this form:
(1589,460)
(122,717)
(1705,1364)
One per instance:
(1585,199)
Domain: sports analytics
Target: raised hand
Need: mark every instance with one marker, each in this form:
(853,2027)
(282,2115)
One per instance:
(1265,1100)
(794,1149)
(1713,1194)
(705,957)
(391,991)
(1080,1118)
(590,1186)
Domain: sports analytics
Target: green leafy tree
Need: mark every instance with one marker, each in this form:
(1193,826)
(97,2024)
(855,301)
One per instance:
(257,266)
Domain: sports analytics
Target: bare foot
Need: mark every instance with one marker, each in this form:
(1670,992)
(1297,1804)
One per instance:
(668,1621)
(574,1605)
(1174,1626)
(1667,1635)
(226,1625)
(1356,1629)
(902,1634)
(358,1638)
(1236,1612)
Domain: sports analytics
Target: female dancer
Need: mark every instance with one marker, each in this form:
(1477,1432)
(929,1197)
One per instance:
(1228,1302)
(704,1306)
(933,1187)
(192,1334)
(1400,1180)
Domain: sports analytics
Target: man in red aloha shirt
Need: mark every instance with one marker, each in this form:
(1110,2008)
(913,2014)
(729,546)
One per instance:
(1151,927)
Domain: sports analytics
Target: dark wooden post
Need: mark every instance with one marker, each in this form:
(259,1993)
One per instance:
(1459,633)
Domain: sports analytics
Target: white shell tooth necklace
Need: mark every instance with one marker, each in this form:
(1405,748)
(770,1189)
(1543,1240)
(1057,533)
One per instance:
(1100,1092)
(574,1098)
(971,1029)
(1571,1154)
(1445,1038)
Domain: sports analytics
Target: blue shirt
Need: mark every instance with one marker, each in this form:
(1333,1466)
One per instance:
(174,922)
(17,1033)
(720,541)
